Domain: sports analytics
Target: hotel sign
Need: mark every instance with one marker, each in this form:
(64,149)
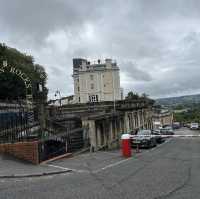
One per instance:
(18,72)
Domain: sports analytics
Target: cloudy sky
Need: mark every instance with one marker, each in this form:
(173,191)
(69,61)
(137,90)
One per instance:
(155,42)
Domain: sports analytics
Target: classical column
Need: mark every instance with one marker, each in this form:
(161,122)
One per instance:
(138,116)
(143,119)
(136,120)
(92,134)
(121,126)
(133,121)
(98,136)
(110,131)
(105,133)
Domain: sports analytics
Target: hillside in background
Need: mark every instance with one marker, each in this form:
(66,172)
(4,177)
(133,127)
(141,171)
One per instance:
(184,101)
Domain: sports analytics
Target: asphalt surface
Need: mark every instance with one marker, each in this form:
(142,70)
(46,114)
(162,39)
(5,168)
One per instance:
(170,170)
(12,167)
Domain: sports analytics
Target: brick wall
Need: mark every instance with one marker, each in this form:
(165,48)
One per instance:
(22,150)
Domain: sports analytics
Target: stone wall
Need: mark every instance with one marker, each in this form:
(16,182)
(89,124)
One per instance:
(106,122)
(23,150)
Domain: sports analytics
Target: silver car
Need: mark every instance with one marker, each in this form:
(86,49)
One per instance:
(143,139)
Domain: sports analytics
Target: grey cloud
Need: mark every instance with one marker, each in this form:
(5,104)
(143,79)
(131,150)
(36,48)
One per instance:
(162,37)
(132,71)
(36,19)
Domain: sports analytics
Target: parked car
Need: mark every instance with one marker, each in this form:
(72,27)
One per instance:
(194,126)
(186,125)
(143,139)
(167,130)
(176,125)
(158,136)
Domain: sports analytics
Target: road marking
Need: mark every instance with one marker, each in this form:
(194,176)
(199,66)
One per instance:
(65,168)
(109,165)
(112,165)
(122,161)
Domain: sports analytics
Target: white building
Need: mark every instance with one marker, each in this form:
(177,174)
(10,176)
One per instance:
(62,101)
(96,82)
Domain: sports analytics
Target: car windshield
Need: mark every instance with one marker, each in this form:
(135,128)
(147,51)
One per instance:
(168,127)
(144,132)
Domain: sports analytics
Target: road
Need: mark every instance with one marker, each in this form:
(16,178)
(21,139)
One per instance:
(170,170)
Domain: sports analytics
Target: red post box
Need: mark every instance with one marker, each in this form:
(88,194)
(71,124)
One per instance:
(126,145)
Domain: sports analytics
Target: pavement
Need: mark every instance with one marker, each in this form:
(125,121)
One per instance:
(15,168)
(170,170)
(11,167)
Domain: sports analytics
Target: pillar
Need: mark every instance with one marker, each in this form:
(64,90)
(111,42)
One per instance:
(92,134)
(127,126)
(138,116)
(98,136)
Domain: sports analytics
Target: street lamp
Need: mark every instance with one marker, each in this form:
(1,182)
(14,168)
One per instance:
(57,93)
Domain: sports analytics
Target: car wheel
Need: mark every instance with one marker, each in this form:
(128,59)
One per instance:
(150,144)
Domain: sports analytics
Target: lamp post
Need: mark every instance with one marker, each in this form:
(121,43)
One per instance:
(113,87)
(56,94)
(41,106)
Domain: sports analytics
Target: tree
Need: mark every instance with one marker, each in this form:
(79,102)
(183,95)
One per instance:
(11,86)
(132,96)
(144,96)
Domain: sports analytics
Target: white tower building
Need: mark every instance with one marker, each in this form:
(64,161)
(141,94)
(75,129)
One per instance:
(96,82)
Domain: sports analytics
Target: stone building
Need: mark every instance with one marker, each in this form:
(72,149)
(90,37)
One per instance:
(105,123)
(96,82)
(102,114)
(162,118)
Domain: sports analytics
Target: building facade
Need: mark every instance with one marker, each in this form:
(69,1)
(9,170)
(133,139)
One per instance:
(96,82)
(104,124)
(162,118)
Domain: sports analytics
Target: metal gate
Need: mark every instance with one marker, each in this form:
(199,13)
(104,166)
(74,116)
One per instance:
(17,122)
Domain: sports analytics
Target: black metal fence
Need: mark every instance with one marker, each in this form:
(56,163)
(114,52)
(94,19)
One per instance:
(17,122)
(69,131)
(61,139)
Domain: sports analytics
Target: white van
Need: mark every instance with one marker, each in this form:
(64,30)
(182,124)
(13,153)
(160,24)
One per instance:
(194,126)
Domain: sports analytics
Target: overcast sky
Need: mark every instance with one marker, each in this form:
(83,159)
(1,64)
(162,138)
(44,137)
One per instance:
(155,42)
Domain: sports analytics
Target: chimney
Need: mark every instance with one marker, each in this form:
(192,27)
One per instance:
(108,63)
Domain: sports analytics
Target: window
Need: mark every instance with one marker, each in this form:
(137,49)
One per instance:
(93,98)
(92,86)
(79,99)
(78,89)
(91,77)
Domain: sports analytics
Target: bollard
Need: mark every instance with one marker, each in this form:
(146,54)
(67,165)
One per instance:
(126,145)
(137,149)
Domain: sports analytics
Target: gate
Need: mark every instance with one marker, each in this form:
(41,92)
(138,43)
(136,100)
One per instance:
(17,122)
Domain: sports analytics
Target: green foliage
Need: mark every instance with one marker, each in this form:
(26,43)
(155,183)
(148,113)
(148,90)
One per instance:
(135,96)
(131,96)
(192,115)
(11,86)
(179,107)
